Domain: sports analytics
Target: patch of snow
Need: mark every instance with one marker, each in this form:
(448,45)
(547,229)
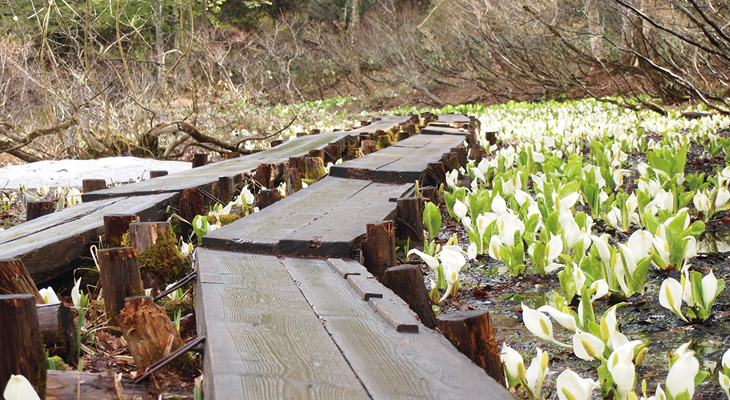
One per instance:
(63,173)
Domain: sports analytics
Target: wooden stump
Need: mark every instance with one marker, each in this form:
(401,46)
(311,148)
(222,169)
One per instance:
(472,333)
(92,185)
(402,135)
(275,143)
(293,181)
(145,234)
(333,153)
(223,190)
(378,250)
(461,155)
(315,131)
(314,168)
(431,194)
(407,282)
(410,219)
(491,138)
(475,151)
(37,209)
(200,159)
(157,174)
(268,197)
(353,153)
(316,153)
(23,352)
(299,164)
(148,330)
(116,225)
(58,330)
(368,146)
(265,175)
(384,140)
(451,159)
(191,203)
(436,173)
(120,278)
(15,279)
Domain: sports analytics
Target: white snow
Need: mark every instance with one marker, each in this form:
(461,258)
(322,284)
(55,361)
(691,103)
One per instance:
(63,173)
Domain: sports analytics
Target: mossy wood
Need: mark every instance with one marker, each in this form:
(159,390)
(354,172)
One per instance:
(293,181)
(58,331)
(120,278)
(15,279)
(23,352)
(314,168)
(326,220)
(116,226)
(49,245)
(162,264)
(145,234)
(404,162)
(368,146)
(148,330)
(407,282)
(472,333)
(35,209)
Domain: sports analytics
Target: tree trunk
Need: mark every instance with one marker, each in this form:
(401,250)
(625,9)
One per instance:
(595,29)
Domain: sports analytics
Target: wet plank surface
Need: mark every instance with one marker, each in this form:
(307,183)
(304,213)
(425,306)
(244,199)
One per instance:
(203,176)
(55,240)
(263,339)
(325,220)
(403,162)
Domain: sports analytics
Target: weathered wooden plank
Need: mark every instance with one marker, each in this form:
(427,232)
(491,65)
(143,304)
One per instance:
(48,244)
(263,339)
(204,177)
(443,130)
(85,385)
(326,220)
(391,364)
(345,268)
(452,119)
(404,162)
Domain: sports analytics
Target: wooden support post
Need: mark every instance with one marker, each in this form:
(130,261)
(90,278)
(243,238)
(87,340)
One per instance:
(116,225)
(461,155)
(378,250)
(299,164)
(411,128)
(200,159)
(223,189)
(92,185)
(275,143)
(333,153)
(191,203)
(430,193)
(23,351)
(315,131)
(364,123)
(15,279)
(229,155)
(472,333)
(491,137)
(120,278)
(157,174)
(353,153)
(58,330)
(268,197)
(410,219)
(436,173)
(316,153)
(293,181)
(368,146)
(300,134)
(384,140)
(407,282)
(148,330)
(402,135)
(315,168)
(451,159)
(145,234)
(37,209)
(265,175)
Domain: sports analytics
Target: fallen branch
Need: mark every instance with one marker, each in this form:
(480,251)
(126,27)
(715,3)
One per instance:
(16,143)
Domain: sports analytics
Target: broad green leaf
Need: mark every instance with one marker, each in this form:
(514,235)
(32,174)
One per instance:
(432,219)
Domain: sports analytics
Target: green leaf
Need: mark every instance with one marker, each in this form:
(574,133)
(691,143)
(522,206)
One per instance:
(432,219)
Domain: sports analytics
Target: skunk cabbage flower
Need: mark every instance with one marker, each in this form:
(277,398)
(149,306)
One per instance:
(514,364)
(588,347)
(49,296)
(539,324)
(451,178)
(430,261)
(460,209)
(724,379)
(572,387)
(670,296)
(681,377)
(536,372)
(19,388)
(723,195)
(566,320)
(76,293)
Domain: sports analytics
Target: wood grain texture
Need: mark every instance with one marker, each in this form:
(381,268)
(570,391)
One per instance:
(391,364)
(326,220)
(66,234)
(264,340)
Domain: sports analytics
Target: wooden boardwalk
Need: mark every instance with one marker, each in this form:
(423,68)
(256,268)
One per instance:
(286,313)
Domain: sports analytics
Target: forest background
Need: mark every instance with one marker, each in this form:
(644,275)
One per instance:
(91,78)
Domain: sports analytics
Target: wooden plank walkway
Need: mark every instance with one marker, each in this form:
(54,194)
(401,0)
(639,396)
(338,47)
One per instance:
(404,162)
(53,241)
(295,328)
(203,177)
(325,220)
